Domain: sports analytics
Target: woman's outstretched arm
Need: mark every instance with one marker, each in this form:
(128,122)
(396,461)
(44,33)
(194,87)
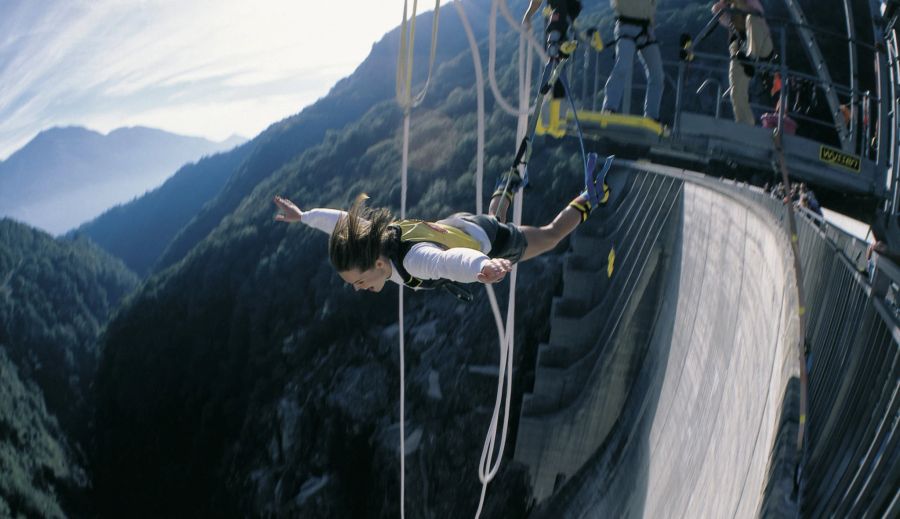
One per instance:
(322,219)
(287,211)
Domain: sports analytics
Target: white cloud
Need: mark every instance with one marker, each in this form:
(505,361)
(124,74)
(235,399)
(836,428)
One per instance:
(217,119)
(202,67)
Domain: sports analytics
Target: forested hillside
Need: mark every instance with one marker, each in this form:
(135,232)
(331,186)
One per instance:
(55,298)
(139,231)
(41,473)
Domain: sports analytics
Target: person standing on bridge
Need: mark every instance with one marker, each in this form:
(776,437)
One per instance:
(635,32)
(749,40)
(562,16)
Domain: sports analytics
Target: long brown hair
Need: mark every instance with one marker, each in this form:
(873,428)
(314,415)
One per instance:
(361,237)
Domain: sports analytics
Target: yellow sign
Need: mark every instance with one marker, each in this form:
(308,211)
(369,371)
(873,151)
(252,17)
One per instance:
(610,262)
(596,41)
(839,158)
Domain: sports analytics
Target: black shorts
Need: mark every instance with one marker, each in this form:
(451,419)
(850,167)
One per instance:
(567,10)
(507,240)
(564,13)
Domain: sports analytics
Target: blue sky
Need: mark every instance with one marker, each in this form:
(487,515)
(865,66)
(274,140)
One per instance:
(195,67)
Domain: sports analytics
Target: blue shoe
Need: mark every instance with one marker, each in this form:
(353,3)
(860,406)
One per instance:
(592,197)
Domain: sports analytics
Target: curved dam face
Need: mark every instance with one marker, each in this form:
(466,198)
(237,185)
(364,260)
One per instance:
(672,394)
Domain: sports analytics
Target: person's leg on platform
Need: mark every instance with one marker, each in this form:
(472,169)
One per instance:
(615,85)
(740,90)
(653,68)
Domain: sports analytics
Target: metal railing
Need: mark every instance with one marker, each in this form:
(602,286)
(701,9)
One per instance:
(687,82)
(851,464)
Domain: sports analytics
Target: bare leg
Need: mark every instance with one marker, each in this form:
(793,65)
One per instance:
(498,207)
(507,186)
(545,238)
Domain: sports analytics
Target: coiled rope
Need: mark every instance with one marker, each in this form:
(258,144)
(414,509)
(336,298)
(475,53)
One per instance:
(492,451)
(524,36)
(403,85)
(486,471)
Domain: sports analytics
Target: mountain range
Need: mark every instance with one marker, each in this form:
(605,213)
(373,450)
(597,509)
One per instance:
(66,176)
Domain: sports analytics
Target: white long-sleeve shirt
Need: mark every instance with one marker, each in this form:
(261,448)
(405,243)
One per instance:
(424,260)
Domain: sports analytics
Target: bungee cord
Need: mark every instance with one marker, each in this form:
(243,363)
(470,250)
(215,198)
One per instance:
(488,469)
(407,102)
(488,465)
(492,451)
(403,85)
(479,94)
(524,35)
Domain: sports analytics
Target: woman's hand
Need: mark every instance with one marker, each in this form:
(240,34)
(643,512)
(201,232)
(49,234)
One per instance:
(288,212)
(494,270)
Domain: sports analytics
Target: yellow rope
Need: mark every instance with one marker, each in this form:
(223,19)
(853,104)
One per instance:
(405,57)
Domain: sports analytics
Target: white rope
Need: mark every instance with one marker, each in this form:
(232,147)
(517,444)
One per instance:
(403,174)
(479,92)
(533,42)
(487,469)
(403,90)
(525,35)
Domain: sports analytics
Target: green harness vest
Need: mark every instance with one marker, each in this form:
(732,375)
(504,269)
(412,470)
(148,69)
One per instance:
(444,235)
(411,232)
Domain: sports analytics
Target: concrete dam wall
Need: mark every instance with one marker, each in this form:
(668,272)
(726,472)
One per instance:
(667,388)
